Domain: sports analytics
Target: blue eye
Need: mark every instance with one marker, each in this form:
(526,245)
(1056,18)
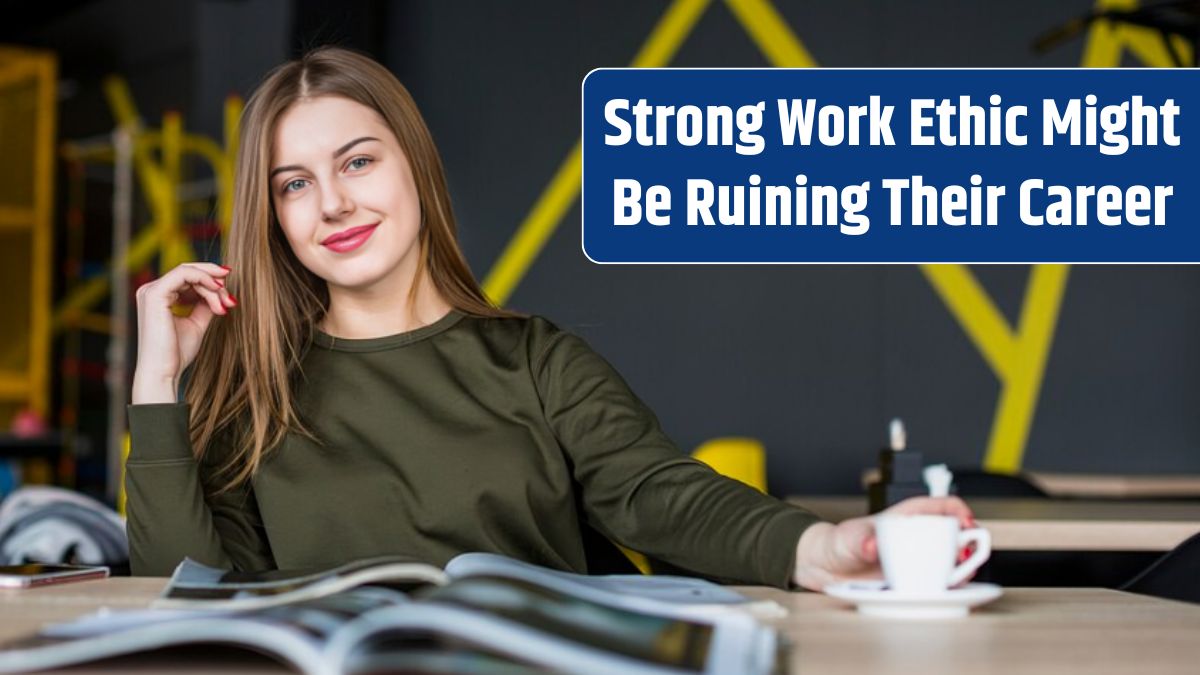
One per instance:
(359,159)
(288,186)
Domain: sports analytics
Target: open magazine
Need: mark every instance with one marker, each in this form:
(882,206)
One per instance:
(483,613)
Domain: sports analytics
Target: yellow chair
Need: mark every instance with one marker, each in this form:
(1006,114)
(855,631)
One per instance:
(742,459)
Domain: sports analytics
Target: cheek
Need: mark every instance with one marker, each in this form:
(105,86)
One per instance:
(297,234)
(395,193)
(290,213)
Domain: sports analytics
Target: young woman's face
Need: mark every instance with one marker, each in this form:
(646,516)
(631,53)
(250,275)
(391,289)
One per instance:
(336,168)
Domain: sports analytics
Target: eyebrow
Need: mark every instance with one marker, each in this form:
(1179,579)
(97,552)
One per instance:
(337,153)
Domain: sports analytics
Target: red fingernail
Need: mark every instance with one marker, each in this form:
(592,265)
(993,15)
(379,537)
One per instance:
(225,268)
(233,300)
(220,283)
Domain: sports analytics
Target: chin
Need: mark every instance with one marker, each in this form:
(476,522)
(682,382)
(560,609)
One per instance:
(355,281)
(359,274)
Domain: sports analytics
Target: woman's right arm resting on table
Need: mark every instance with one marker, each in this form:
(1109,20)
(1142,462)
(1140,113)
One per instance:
(168,515)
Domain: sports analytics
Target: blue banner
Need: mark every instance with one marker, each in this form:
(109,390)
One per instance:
(890,166)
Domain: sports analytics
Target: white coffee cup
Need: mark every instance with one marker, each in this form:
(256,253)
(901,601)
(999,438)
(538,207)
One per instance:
(918,552)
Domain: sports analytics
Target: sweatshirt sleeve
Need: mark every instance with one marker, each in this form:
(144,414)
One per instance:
(168,515)
(640,490)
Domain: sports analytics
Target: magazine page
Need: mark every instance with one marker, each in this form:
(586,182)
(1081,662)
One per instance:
(635,591)
(197,586)
(491,620)
(490,624)
(297,634)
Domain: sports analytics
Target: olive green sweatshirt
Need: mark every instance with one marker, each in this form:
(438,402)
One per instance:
(468,434)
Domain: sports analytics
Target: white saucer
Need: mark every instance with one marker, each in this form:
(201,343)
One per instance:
(873,598)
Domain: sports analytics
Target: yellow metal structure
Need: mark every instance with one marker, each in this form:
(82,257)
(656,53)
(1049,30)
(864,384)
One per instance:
(28,95)
(159,180)
(1108,41)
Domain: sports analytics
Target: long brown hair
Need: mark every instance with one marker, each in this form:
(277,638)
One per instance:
(240,387)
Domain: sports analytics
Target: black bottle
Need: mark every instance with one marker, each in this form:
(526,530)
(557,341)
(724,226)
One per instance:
(901,473)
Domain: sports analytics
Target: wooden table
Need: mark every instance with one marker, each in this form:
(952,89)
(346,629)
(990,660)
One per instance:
(23,611)
(1058,524)
(1100,485)
(1116,486)
(1056,631)
(1030,630)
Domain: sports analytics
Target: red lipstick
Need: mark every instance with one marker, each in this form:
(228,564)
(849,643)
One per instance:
(348,240)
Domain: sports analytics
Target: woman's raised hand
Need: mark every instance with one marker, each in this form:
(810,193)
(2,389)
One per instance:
(167,344)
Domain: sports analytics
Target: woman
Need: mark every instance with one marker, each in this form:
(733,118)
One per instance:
(365,398)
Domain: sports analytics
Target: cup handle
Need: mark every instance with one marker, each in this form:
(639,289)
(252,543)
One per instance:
(983,549)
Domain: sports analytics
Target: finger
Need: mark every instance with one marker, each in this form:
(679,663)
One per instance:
(201,316)
(193,275)
(227,299)
(870,550)
(220,271)
(224,298)
(211,298)
(187,274)
(224,294)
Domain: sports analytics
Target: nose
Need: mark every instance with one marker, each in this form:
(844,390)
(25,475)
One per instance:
(335,203)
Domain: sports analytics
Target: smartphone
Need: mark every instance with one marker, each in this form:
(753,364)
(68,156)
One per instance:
(40,574)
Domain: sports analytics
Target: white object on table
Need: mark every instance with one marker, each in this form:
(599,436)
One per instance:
(873,598)
(898,438)
(938,479)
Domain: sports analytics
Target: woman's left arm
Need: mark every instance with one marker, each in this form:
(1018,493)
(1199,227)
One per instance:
(641,491)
